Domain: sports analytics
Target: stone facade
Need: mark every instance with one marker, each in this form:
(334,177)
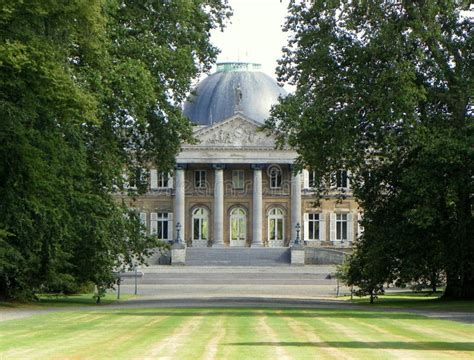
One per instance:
(234,188)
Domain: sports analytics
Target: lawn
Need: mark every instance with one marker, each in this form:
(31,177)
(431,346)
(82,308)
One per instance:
(101,333)
(412,300)
(46,300)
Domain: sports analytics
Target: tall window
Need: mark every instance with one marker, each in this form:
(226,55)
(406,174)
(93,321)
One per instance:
(275,178)
(159,225)
(276,224)
(200,224)
(237,179)
(312,178)
(313,226)
(200,179)
(238,224)
(163,180)
(341,179)
(341,227)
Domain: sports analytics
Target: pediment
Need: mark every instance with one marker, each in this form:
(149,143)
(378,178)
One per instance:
(235,132)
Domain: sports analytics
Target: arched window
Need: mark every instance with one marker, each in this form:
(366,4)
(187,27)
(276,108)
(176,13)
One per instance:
(276,224)
(238,225)
(200,224)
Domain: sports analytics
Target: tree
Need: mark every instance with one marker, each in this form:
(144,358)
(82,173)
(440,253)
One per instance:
(88,90)
(384,89)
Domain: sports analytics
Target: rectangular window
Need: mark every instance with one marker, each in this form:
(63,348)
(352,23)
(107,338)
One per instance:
(275,229)
(238,179)
(312,179)
(275,178)
(159,225)
(341,179)
(341,227)
(200,179)
(313,226)
(163,180)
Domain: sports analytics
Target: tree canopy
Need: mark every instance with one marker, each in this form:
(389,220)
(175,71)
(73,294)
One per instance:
(384,89)
(88,90)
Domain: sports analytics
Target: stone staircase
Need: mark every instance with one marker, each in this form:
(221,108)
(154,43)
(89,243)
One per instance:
(237,256)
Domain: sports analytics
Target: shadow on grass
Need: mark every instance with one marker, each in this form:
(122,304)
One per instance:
(411,300)
(49,300)
(395,345)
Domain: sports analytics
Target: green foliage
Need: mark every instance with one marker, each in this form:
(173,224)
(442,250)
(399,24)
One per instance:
(384,89)
(88,89)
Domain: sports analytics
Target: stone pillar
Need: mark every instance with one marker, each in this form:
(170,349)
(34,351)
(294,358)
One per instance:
(257,223)
(295,205)
(179,204)
(219,205)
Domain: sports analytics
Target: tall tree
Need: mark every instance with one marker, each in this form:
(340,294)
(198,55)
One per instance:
(384,88)
(88,90)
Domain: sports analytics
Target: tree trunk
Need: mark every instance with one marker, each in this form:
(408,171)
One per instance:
(459,287)
(434,281)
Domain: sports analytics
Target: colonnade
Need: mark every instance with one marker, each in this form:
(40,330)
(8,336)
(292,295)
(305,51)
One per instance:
(218,212)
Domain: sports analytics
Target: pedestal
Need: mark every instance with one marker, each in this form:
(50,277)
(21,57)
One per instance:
(297,255)
(178,254)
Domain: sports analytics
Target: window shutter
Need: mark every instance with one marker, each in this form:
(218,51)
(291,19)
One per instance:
(305,179)
(153,179)
(306,226)
(332,225)
(322,227)
(350,227)
(153,223)
(170,181)
(170,226)
(348,180)
(333,183)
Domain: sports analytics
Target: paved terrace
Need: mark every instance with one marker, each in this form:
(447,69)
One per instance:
(200,282)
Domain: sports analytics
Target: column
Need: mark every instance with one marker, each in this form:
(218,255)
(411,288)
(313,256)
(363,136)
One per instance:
(179,203)
(295,204)
(218,205)
(257,223)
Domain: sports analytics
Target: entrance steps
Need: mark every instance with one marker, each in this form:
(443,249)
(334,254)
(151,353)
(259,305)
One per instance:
(238,256)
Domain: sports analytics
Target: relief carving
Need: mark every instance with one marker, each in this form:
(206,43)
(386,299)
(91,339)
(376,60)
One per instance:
(236,133)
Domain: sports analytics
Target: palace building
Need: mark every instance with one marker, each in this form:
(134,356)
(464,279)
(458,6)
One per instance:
(234,188)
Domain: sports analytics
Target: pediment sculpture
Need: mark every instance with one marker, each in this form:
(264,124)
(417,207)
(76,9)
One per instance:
(234,133)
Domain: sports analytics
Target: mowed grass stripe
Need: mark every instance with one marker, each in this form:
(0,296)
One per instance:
(318,348)
(332,327)
(441,330)
(397,345)
(167,347)
(153,335)
(59,335)
(294,346)
(203,343)
(273,337)
(45,332)
(435,341)
(242,331)
(125,344)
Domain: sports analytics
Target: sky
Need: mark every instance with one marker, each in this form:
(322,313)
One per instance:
(254,33)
